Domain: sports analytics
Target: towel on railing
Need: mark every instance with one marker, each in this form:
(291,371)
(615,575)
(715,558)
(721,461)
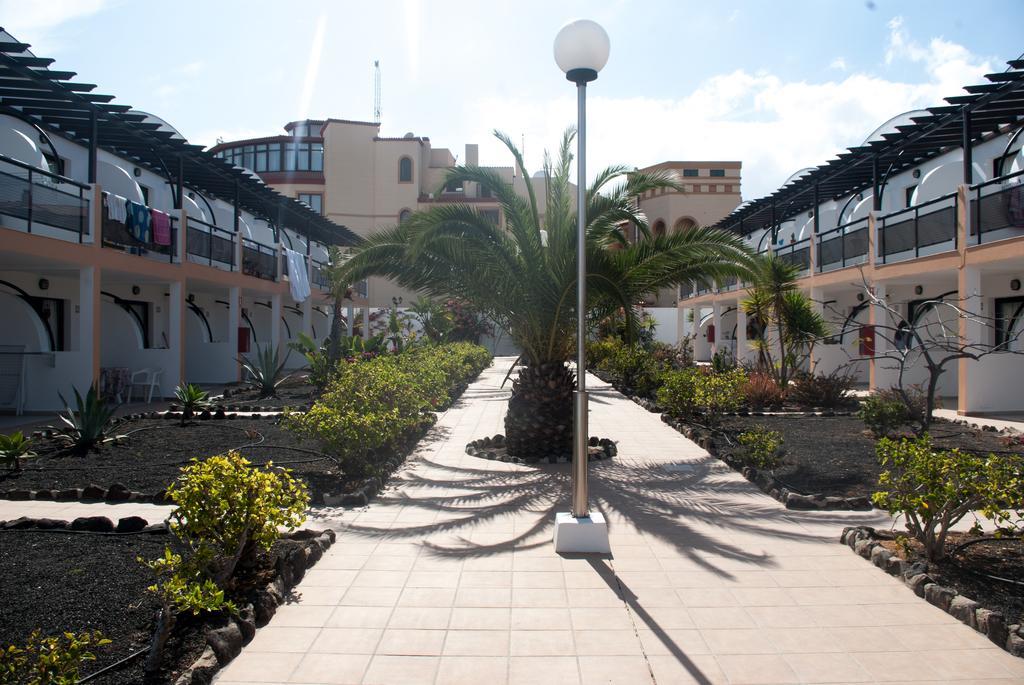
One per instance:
(161,227)
(298,280)
(116,208)
(138,221)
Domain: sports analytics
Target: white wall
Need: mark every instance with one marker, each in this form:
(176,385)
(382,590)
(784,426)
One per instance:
(667,320)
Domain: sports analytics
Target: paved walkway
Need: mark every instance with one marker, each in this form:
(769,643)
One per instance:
(450,577)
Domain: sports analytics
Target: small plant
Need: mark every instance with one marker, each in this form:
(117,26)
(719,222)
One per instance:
(722,361)
(263,371)
(762,391)
(87,425)
(14,449)
(934,489)
(697,391)
(49,660)
(827,390)
(317,360)
(764,447)
(192,398)
(887,410)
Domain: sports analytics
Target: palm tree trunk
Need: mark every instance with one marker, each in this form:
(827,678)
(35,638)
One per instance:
(334,347)
(539,418)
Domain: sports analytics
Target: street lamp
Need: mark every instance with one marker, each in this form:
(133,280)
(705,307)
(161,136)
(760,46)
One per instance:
(581,50)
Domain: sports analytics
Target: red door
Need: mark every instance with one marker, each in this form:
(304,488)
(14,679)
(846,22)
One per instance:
(867,341)
(243,339)
(711,333)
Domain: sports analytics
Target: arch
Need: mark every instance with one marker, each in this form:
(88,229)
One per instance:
(658,229)
(685,223)
(404,215)
(23,325)
(405,169)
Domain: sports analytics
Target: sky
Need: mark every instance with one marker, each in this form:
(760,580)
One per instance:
(777,85)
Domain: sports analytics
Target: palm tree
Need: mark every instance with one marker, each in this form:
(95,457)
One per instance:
(774,299)
(523,277)
(339,290)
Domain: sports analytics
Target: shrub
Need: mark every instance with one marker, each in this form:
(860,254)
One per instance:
(599,350)
(317,360)
(697,391)
(934,489)
(191,398)
(634,368)
(762,391)
(263,371)
(87,425)
(764,447)
(885,411)
(821,390)
(14,449)
(53,660)
(722,361)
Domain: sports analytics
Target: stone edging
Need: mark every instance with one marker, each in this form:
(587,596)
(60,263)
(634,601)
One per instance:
(990,623)
(493,448)
(115,494)
(86,524)
(766,482)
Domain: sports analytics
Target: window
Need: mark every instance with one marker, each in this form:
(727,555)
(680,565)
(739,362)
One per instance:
(718,172)
(248,157)
(491,215)
(314,201)
(690,172)
(274,157)
(304,157)
(404,215)
(453,187)
(405,170)
(1009,322)
(908,196)
(485,192)
(145,194)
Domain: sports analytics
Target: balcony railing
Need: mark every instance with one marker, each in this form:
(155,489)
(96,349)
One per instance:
(997,208)
(38,201)
(116,236)
(905,232)
(210,244)
(842,246)
(685,291)
(259,260)
(798,254)
(320,279)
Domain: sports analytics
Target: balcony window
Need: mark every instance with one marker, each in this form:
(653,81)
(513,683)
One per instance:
(314,201)
(690,172)
(304,157)
(274,157)
(248,157)
(718,172)
(908,196)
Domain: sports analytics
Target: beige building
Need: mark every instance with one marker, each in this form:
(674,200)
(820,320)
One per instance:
(358,178)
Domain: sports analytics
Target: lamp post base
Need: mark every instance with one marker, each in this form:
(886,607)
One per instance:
(586,535)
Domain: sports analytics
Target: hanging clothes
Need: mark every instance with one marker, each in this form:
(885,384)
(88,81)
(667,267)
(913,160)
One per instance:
(139,223)
(161,227)
(298,280)
(116,208)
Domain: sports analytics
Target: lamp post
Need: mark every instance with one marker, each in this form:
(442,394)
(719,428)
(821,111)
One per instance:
(581,51)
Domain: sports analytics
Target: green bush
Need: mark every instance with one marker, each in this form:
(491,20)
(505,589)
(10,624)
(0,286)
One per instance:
(14,449)
(633,367)
(698,391)
(49,660)
(887,410)
(827,390)
(599,350)
(764,448)
(318,361)
(934,489)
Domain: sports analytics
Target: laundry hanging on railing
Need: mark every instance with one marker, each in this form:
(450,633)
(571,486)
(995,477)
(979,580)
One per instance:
(298,280)
(161,227)
(117,208)
(139,222)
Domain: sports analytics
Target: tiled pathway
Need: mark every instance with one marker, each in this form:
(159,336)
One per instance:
(450,577)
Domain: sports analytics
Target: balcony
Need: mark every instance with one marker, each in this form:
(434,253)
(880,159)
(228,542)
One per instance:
(924,229)
(843,246)
(997,209)
(116,236)
(208,244)
(258,260)
(40,202)
(798,254)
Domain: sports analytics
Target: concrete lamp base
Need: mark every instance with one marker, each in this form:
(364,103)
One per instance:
(581,535)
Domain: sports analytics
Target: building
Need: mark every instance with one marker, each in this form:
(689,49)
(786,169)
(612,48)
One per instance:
(929,209)
(88,294)
(350,173)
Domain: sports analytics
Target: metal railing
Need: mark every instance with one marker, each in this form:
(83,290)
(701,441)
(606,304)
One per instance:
(215,245)
(728,283)
(997,205)
(42,199)
(320,279)
(117,236)
(929,223)
(798,254)
(361,287)
(843,246)
(259,260)
(685,290)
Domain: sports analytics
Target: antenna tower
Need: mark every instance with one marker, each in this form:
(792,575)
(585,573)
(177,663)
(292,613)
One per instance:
(376,90)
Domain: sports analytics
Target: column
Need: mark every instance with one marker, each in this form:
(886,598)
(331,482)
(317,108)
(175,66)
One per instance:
(716,320)
(742,347)
(181,240)
(275,322)
(878,318)
(817,298)
(701,347)
(176,332)
(972,331)
(366,323)
(89,279)
(350,320)
(234,320)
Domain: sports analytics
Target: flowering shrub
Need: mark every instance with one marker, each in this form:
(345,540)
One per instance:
(764,447)
(697,391)
(762,391)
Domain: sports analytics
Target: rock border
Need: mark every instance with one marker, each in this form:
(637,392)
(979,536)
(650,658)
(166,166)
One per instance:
(765,481)
(86,524)
(863,540)
(225,643)
(493,448)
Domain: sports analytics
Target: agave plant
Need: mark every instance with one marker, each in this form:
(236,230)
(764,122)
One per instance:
(523,276)
(14,448)
(88,425)
(317,359)
(263,371)
(192,398)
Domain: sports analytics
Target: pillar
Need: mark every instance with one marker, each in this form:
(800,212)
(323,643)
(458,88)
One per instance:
(350,321)
(89,281)
(234,320)
(275,322)
(180,240)
(742,346)
(716,320)
(176,331)
(366,323)
(878,317)
(701,346)
(972,331)
(817,298)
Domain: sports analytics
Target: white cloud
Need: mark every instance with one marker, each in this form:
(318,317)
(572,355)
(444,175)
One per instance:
(838,63)
(36,22)
(773,126)
(316,50)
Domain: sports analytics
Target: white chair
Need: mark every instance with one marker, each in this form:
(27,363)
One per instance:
(149,378)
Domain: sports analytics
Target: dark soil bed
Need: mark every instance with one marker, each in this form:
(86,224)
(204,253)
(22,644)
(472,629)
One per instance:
(835,456)
(294,393)
(156,449)
(60,581)
(969,571)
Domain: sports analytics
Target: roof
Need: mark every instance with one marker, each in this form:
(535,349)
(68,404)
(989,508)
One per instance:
(30,89)
(990,108)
